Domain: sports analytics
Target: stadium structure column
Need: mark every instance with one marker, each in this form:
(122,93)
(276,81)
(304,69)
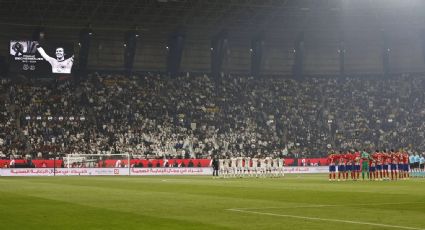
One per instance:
(85,38)
(4,67)
(386,50)
(257,48)
(297,68)
(218,48)
(341,54)
(423,43)
(38,34)
(130,44)
(175,52)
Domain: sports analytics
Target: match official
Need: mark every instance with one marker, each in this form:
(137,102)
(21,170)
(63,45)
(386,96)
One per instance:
(215,165)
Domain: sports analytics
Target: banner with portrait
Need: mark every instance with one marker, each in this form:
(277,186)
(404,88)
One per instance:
(41,59)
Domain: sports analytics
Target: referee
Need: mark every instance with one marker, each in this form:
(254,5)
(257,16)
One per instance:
(215,166)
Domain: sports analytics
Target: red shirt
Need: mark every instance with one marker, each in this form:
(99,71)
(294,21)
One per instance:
(357,157)
(380,158)
(349,158)
(394,158)
(405,158)
(331,159)
(387,158)
(375,156)
(341,159)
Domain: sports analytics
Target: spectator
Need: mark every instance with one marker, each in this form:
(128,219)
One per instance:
(193,117)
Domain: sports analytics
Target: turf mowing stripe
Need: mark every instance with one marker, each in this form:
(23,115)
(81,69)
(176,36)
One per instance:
(328,205)
(325,219)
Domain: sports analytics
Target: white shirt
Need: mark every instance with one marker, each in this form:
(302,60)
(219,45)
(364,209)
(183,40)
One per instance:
(221,163)
(247,159)
(279,163)
(254,162)
(239,162)
(269,162)
(275,162)
(226,163)
(233,162)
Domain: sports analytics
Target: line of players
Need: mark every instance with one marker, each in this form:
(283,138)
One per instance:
(251,167)
(381,165)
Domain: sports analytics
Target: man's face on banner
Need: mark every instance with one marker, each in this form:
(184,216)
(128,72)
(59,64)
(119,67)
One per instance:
(18,47)
(59,53)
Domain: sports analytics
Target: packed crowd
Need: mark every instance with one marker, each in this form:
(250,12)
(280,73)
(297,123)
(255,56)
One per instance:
(196,117)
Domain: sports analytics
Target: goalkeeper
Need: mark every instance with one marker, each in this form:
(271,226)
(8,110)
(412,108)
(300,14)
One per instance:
(365,164)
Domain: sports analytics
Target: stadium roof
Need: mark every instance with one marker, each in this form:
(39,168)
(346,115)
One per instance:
(207,15)
(145,14)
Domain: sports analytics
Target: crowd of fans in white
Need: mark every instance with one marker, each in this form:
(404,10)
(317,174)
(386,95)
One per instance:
(196,117)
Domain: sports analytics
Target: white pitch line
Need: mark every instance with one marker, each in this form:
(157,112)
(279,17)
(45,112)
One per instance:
(325,219)
(329,205)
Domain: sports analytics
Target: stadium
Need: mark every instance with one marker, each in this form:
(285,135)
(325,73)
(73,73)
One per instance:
(212,114)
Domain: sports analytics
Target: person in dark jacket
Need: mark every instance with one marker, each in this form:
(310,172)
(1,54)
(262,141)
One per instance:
(215,166)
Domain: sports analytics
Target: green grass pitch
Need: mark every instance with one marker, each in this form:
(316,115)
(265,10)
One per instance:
(199,202)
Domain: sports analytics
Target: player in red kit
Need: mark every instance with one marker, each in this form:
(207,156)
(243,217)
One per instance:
(379,164)
(332,158)
(372,165)
(406,165)
(372,169)
(356,164)
(341,166)
(400,168)
(394,162)
(349,165)
(387,163)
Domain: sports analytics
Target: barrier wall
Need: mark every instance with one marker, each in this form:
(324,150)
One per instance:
(299,169)
(133,171)
(36,163)
(104,171)
(181,162)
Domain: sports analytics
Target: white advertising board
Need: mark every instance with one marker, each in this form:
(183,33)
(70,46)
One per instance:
(133,171)
(103,171)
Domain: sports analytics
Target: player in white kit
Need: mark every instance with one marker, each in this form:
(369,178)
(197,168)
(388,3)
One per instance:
(268,166)
(275,167)
(262,166)
(254,168)
(233,166)
(221,167)
(239,165)
(247,165)
(280,167)
(227,167)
